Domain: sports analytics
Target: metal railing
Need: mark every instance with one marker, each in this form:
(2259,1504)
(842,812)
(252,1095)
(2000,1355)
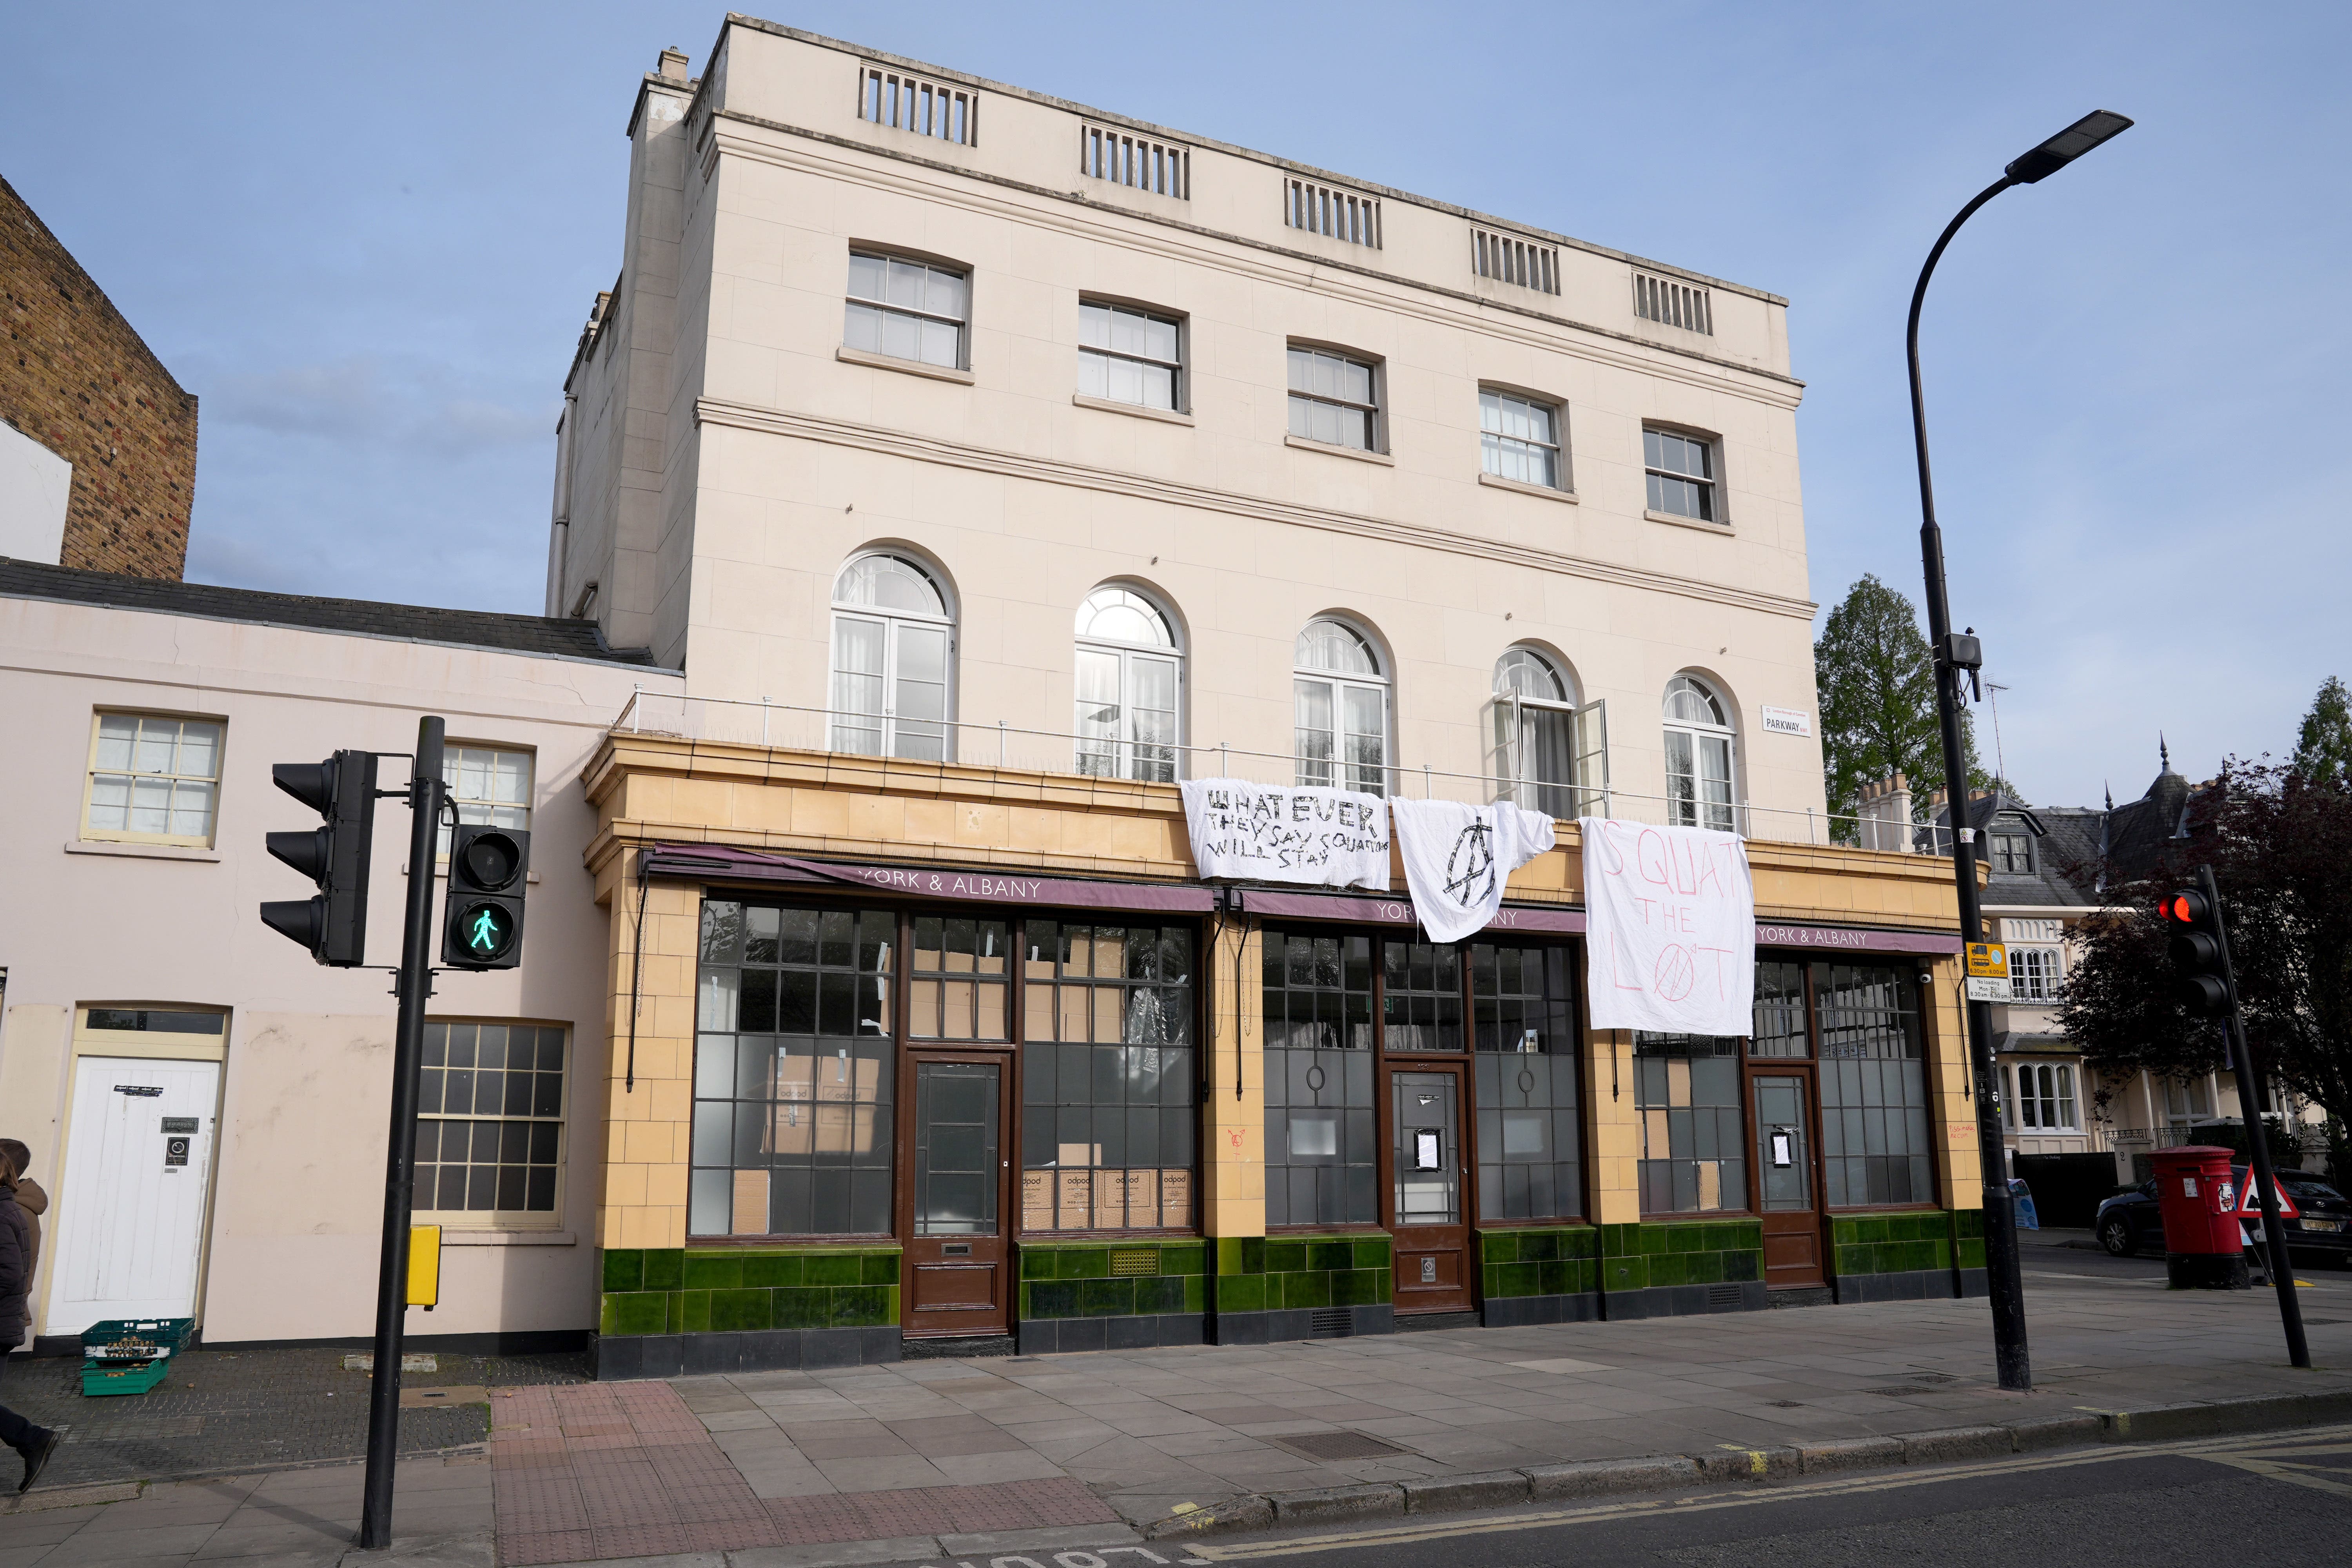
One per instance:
(946,742)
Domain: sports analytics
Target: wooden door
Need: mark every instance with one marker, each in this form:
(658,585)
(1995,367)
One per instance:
(130,1227)
(1429,1168)
(1784,1166)
(955,1277)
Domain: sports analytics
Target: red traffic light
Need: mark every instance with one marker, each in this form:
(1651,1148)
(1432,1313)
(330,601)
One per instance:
(2187,908)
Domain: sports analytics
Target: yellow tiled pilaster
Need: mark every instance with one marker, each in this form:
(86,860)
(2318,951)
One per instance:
(647,1126)
(1232,1167)
(1616,1128)
(1944,1012)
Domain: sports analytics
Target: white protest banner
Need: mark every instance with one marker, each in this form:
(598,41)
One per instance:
(1670,929)
(1269,833)
(1457,857)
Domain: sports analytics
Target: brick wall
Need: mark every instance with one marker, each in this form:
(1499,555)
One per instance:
(77,379)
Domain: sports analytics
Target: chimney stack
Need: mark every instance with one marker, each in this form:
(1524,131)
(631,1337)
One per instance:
(1884,809)
(673,63)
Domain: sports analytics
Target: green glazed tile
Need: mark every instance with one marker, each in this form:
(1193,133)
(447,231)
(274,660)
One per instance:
(625,1268)
(834,1268)
(801,1307)
(738,1310)
(1285,1256)
(1306,1290)
(862,1306)
(665,1267)
(708,1271)
(1082,1262)
(636,1312)
(1241,1292)
(694,1312)
(878,1269)
(772,1270)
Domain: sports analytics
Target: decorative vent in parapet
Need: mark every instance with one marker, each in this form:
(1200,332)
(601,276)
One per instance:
(927,108)
(1671,304)
(1513,260)
(1327,210)
(1163,168)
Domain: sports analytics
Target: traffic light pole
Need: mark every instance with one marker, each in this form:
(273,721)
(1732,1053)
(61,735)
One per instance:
(2258,1144)
(415,986)
(2007,1289)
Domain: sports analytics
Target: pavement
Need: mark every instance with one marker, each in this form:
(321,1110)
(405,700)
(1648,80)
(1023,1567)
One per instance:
(998,1456)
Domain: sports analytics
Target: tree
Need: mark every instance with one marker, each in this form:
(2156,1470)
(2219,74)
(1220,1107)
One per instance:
(2323,751)
(1876,684)
(2280,844)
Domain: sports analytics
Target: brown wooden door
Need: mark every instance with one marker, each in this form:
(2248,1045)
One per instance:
(1429,1172)
(1784,1178)
(955,1276)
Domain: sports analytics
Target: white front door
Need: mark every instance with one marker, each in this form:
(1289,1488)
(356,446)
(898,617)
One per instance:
(131,1221)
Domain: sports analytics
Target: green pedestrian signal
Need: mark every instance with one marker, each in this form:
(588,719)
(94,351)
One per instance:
(482,923)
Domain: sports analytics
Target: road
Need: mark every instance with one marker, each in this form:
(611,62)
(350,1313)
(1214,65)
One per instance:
(2269,1498)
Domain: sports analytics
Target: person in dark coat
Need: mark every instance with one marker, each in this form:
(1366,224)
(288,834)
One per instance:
(33,1443)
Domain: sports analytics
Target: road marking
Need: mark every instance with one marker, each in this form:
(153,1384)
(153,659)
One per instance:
(1707,1502)
(1563,1364)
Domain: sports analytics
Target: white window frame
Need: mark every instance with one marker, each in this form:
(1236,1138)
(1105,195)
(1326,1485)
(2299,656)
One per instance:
(1177,391)
(510,1219)
(1519,715)
(1336,770)
(1722,816)
(1494,442)
(1120,754)
(487,810)
(1710,486)
(2044,1100)
(887,723)
(883,308)
(130,772)
(1375,428)
(2035,973)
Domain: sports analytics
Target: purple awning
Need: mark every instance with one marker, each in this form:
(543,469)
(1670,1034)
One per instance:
(725,863)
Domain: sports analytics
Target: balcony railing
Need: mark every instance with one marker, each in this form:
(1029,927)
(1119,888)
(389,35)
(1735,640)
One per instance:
(946,744)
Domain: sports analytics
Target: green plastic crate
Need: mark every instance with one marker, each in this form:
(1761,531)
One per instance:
(100,1378)
(136,1339)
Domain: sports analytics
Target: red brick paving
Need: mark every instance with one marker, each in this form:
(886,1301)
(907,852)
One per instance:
(594,1470)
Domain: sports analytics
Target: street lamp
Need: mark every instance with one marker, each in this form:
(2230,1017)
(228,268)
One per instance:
(1953,654)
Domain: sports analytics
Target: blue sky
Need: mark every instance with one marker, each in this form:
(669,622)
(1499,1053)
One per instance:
(367,236)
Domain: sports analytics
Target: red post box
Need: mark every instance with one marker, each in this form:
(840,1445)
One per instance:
(2199,1196)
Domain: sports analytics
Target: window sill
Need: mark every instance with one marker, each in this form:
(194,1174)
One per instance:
(1722,528)
(453,1238)
(1547,492)
(909,366)
(1304,445)
(1112,406)
(136,851)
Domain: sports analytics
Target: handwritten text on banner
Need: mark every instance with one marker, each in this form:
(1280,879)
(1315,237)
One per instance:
(1670,929)
(1324,837)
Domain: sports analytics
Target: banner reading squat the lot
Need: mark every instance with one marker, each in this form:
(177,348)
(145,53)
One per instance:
(1324,837)
(1670,929)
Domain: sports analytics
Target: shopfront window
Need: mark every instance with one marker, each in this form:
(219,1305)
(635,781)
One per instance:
(1420,997)
(1107,1139)
(1686,1089)
(1321,1143)
(959,978)
(1524,1031)
(1873,1086)
(792,1073)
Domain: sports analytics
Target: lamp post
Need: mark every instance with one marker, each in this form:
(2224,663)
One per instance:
(1954,653)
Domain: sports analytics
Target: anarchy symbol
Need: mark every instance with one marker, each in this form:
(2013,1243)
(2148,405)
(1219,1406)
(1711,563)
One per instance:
(1470,868)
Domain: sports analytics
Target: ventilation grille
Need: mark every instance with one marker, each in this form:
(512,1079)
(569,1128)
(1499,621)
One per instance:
(1142,1260)
(927,108)
(1325,209)
(1723,1295)
(1330,1323)
(1671,304)
(1163,168)
(1510,260)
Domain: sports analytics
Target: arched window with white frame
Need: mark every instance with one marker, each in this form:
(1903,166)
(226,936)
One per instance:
(1128,689)
(893,660)
(1698,755)
(1341,696)
(1551,754)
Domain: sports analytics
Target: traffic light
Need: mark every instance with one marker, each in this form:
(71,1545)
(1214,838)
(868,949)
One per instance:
(2200,953)
(481,928)
(334,922)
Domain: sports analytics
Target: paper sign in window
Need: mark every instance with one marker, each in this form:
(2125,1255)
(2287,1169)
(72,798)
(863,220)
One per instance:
(1780,1149)
(1314,1137)
(1425,1153)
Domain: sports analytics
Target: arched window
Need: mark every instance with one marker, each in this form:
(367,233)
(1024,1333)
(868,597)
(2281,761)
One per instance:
(1129,674)
(1552,754)
(1698,756)
(1341,698)
(893,649)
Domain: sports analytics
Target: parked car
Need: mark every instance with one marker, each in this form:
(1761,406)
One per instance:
(2132,1222)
